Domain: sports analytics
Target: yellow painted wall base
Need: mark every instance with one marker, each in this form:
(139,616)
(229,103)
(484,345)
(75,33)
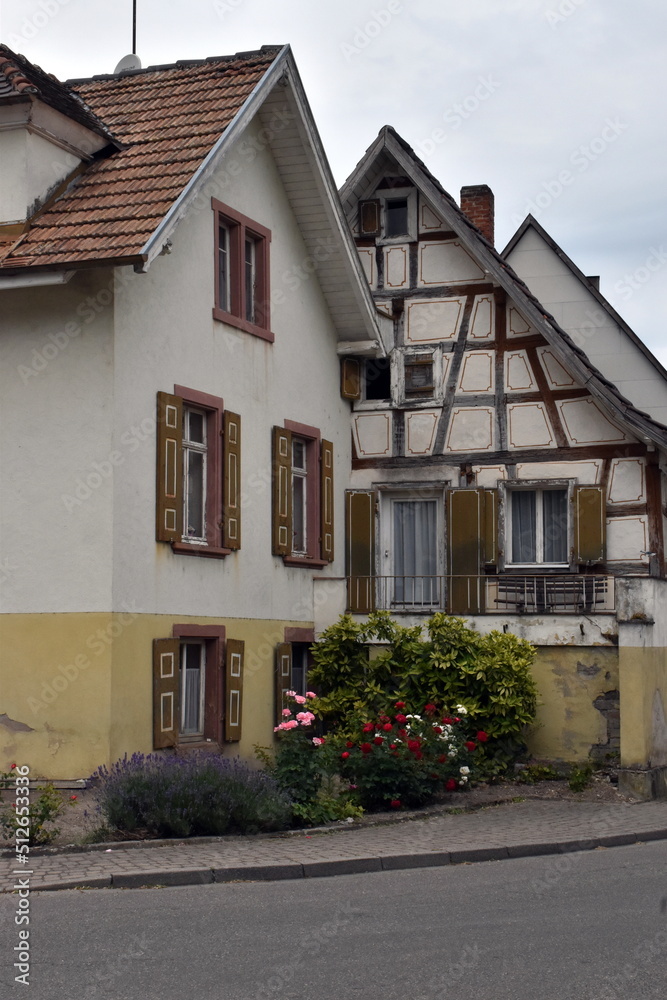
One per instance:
(569,680)
(77,689)
(643,680)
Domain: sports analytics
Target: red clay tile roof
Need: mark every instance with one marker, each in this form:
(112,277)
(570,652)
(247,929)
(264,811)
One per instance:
(168,118)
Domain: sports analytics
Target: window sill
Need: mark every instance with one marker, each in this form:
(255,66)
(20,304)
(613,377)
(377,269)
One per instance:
(207,551)
(305,561)
(243,324)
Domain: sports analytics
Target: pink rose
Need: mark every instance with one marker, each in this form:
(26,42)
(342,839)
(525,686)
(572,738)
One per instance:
(292,724)
(305,717)
(299,699)
(317,741)
(286,711)
(290,694)
(310,694)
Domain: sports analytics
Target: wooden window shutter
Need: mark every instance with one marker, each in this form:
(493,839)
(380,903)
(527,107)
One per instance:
(283,677)
(326,501)
(589,524)
(234,689)
(282,492)
(166,653)
(231,511)
(350,378)
(369,218)
(360,549)
(490,536)
(466,532)
(169,506)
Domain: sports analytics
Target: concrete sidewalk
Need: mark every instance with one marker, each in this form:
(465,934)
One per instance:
(516,829)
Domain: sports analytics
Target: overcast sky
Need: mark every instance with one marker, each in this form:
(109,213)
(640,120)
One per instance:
(558,105)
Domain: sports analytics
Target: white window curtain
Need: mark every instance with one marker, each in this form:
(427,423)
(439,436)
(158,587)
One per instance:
(415,552)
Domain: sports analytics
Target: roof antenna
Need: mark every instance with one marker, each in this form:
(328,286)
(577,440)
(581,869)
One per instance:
(131,61)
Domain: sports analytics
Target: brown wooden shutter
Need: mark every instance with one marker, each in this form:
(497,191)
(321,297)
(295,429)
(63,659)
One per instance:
(466,534)
(326,501)
(350,378)
(360,549)
(490,537)
(282,492)
(231,511)
(213,688)
(369,218)
(166,654)
(234,689)
(169,517)
(589,524)
(283,677)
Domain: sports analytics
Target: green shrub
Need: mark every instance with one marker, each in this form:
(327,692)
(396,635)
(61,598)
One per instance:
(580,777)
(43,811)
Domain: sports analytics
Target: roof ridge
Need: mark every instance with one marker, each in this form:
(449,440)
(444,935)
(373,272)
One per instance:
(179,64)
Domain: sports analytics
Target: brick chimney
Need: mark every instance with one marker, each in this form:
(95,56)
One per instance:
(477,202)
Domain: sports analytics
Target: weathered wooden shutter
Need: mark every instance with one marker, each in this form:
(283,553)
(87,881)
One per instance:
(466,532)
(589,524)
(326,501)
(231,513)
(350,378)
(169,506)
(283,677)
(360,549)
(282,492)
(490,536)
(234,689)
(165,692)
(369,218)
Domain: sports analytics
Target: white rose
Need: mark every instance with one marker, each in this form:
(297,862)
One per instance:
(464,770)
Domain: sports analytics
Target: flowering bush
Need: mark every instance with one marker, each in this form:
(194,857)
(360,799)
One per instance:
(44,810)
(198,795)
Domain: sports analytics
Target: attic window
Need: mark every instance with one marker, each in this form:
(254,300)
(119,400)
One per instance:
(396,223)
(419,375)
(242,272)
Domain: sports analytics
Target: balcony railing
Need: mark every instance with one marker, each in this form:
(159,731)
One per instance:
(565,594)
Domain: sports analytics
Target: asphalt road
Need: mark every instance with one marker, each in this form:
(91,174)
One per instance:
(588,926)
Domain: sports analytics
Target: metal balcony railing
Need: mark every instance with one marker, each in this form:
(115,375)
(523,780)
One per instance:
(564,594)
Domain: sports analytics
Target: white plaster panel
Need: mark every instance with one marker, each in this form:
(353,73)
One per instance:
(372,434)
(519,375)
(428,219)
(627,538)
(482,325)
(516,324)
(588,473)
(470,429)
(433,319)
(477,372)
(420,429)
(627,481)
(585,423)
(446,263)
(488,475)
(367,258)
(396,267)
(528,426)
(557,376)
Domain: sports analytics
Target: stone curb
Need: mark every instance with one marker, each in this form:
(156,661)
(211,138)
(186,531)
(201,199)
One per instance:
(348,866)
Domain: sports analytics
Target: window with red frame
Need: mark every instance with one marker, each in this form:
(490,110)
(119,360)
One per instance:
(242,294)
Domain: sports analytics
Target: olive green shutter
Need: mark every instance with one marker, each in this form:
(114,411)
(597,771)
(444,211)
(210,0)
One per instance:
(231,450)
(360,549)
(233,688)
(589,524)
(350,378)
(282,492)
(165,692)
(169,506)
(283,678)
(326,501)
(369,218)
(465,549)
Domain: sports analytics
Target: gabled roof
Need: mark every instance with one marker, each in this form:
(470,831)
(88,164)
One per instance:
(389,149)
(21,80)
(176,124)
(531,223)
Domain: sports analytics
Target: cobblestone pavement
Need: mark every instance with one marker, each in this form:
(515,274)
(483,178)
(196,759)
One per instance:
(504,831)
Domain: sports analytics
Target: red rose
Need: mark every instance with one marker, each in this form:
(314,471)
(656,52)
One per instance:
(437,729)
(482,736)
(400,718)
(387,727)
(414,744)
(366,748)
(418,755)
(450,784)
(447,720)
(469,745)
(395,803)
(72,798)
(392,746)
(13,766)
(368,728)
(345,755)
(349,743)
(456,719)
(430,709)
(378,741)
(399,704)
(383,718)
(402,733)
(442,758)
